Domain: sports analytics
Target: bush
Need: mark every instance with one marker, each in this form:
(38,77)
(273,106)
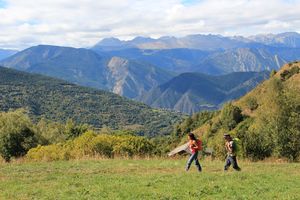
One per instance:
(47,153)
(286,74)
(251,103)
(273,72)
(288,143)
(51,132)
(91,144)
(72,130)
(257,145)
(230,116)
(17,135)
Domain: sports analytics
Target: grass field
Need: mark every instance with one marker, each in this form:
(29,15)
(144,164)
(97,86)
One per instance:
(147,179)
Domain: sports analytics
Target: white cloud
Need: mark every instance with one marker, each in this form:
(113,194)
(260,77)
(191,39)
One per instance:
(84,22)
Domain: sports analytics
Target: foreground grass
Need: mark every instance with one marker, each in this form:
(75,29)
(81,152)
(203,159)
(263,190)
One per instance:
(147,179)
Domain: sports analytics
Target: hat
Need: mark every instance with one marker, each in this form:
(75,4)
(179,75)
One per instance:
(226,135)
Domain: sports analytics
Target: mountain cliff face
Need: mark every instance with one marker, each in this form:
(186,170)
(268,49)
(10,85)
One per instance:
(87,68)
(241,60)
(192,92)
(132,79)
(174,60)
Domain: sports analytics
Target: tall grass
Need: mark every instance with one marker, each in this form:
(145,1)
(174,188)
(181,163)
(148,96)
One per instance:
(147,179)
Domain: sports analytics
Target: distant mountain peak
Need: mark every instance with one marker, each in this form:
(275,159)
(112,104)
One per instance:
(289,34)
(112,41)
(141,39)
(287,39)
(5,53)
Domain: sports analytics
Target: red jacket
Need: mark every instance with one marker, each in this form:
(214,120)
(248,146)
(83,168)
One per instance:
(193,148)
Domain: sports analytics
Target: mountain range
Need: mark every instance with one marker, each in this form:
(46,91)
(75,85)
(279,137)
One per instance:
(85,67)
(58,100)
(203,42)
(138,67)
(206,53)
(193,92)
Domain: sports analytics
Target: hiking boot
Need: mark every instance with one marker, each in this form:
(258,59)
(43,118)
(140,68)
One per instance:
(238,169)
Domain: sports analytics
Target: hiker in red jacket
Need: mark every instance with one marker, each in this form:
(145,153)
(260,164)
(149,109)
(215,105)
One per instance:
(195,146)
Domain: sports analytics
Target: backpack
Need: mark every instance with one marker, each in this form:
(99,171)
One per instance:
(236,145)
(199,144)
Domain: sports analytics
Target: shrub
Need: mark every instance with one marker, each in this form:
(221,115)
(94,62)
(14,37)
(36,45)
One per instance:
(47,153)
(286,74)
(90,144)
(84,144)
(258,144)
(72,130)
(230,116)
(273,72)
(251,103)
(16,134)
(103,145)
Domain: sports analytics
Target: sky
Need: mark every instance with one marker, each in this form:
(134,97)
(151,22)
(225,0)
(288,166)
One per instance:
(82,23)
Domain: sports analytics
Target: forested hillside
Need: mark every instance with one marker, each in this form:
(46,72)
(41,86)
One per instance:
(59,100)
(266,120)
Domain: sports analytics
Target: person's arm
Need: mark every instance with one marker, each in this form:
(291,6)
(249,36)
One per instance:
(195,145)
(230,147)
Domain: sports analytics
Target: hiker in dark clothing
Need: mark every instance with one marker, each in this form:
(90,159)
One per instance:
(195,146)
(231,153)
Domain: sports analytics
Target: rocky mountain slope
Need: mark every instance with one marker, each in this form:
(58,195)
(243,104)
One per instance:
(192,92)
(87,68)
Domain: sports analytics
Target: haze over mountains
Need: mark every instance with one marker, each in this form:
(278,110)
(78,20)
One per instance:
(203,42)
(5,53)
(136,68)
(206,53)
(192,92)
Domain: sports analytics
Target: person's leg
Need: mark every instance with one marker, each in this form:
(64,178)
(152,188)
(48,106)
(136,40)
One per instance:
(227,163)
(234,164)
(189,162)
(197,163)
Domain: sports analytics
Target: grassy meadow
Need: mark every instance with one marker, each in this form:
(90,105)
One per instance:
(147,179)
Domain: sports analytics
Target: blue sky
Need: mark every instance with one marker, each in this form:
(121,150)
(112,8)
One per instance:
(3,4)
(82,23)
(189,2)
